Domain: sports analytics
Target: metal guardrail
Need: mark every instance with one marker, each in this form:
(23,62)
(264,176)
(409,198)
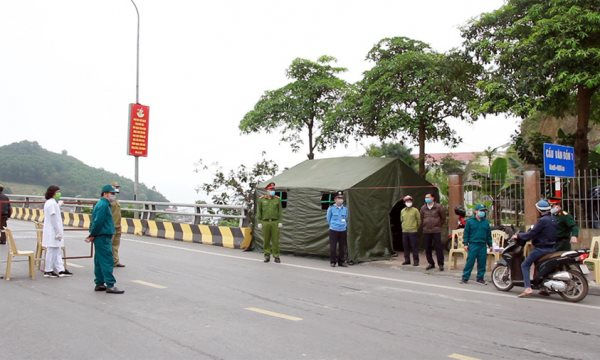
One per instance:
(146,210)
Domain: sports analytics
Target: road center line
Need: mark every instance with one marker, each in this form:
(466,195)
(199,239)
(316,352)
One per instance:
(366,276)
(145,283)
(74,265)
(461,357)
(273,314)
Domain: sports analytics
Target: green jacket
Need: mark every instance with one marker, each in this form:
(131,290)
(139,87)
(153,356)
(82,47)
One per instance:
(115,208)
(566,226)
(477,231)
(102,220)
(411,219)
(268,209)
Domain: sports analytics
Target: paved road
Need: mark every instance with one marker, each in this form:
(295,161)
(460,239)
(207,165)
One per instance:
(191,301)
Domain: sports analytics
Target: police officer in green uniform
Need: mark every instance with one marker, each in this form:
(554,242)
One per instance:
(268,214)
(477,239)
(102,230)
(568,231)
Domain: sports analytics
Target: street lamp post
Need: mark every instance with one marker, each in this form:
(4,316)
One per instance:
(137,100)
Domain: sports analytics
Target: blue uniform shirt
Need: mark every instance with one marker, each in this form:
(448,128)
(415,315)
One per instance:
(337,218)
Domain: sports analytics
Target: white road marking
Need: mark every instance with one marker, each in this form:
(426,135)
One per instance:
(366,276)
(70,264)
(145,283)
(461,357)
(274,314)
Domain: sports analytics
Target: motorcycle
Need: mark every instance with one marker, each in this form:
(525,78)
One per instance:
(561,272)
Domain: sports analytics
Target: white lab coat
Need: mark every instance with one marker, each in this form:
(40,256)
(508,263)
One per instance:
(53,225)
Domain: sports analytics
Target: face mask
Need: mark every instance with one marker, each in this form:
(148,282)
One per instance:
(481,214)
(554,211)
(272,193)
(428,200)
(339,202)
(57,196)
(408,204)
(112,197)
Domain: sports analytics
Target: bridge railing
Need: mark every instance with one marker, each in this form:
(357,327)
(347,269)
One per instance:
(146,210)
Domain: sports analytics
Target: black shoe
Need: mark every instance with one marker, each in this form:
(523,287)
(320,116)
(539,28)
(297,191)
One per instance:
(441,268)
(100,288)
(50,274)
(342,264)
(416,264)
(114,290)
(481,281)
(267,258)
(463,281)
(429,267)
(277,259)
(332,264)
(65,273)
(406,263)
(119,265)
(543,293)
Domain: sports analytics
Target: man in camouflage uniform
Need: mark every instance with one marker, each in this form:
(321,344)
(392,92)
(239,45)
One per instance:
(115,208)
(268,214)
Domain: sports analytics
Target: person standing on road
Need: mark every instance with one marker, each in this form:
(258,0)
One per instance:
(102,230)
(477,239)
(5,211)
(115,208)
(568,231)
(543,235)
(410,218)
(433,217)
(53,235)
(269,214)
(337,218)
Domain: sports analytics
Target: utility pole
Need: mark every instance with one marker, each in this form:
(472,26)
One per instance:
(137,100)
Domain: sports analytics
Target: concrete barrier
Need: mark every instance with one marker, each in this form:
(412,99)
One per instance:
(225,236)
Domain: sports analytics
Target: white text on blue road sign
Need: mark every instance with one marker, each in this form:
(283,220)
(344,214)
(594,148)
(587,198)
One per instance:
(559,160)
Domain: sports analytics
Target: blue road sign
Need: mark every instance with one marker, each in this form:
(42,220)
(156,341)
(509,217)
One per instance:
(559,160)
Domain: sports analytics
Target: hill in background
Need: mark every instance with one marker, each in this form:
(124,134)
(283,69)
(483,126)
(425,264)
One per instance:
(26,167)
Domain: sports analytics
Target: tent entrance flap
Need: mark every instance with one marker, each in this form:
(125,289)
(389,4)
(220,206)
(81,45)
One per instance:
(396,226)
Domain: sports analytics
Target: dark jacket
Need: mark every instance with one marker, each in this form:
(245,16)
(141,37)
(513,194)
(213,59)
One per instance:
(477,231)
(102,220)
(566,226)
(5,208)
(433,219)
(544,234)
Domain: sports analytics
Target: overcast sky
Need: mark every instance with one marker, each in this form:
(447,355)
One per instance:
(67,74)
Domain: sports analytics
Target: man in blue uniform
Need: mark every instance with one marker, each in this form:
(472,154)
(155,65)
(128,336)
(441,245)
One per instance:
(543,235)
(337,218)
(102,230)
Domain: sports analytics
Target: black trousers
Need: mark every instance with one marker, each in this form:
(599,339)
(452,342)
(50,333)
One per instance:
(338,245)
(434,241)
(410,245)
(2,226)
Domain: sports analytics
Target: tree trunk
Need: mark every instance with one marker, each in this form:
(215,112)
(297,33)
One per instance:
(310,155)
(584,99)
(422,147)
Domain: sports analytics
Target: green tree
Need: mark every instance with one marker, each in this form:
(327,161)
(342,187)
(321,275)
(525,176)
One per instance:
(411,91)
(392,150)
(541,56)
(300,106)
(235,187)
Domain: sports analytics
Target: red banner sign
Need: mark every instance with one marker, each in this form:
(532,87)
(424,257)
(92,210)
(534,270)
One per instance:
(137,144)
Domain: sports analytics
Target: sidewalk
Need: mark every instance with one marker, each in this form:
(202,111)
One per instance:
(396,263)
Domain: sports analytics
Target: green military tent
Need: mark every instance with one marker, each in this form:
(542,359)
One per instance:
(374,188)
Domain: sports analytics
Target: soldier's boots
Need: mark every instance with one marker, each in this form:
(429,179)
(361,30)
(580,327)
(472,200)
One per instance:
(267,258)
(277,260)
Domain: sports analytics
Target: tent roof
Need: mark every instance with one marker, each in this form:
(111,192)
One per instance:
(333,173)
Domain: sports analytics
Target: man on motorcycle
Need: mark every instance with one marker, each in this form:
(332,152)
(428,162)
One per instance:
(543,235)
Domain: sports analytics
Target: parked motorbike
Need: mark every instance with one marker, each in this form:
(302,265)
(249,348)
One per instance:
(561,272)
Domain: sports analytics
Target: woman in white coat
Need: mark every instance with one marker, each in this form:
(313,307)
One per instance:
(53,235)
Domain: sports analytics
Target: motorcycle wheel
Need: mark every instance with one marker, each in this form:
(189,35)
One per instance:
(577,288)
(501,278)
